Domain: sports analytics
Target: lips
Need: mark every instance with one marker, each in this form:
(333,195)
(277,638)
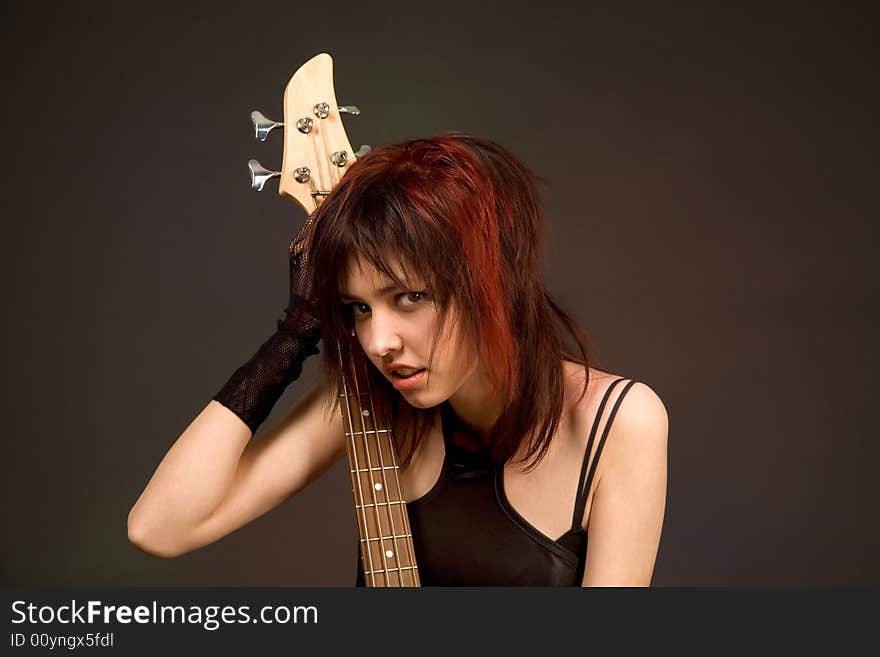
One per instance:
(409,382)
(400,368)
(406,373)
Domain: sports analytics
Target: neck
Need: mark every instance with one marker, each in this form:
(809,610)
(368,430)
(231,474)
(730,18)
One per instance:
(475,406)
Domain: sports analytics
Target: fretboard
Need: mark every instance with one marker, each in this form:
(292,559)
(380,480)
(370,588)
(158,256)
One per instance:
(383,524)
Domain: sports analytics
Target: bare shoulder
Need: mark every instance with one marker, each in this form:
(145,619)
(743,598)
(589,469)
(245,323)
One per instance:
(639,430)
(645,412)
(641,408)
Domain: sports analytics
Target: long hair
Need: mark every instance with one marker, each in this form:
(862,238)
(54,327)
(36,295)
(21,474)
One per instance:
(463,214)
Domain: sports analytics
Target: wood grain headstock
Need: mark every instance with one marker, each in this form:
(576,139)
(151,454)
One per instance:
(316,151)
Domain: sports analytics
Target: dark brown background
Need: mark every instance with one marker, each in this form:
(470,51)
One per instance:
(711,207)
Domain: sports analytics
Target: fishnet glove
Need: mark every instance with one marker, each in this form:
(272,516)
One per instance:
(256,386)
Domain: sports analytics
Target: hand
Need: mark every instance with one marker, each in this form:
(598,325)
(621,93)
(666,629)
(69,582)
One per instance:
(300,283)
(256,386)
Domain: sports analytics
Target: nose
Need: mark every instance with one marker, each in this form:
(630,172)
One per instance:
(383,334)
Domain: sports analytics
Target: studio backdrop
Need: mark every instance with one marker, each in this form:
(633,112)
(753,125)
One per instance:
(710,205)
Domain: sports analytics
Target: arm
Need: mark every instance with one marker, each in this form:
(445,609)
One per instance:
(214,479)
(626,517)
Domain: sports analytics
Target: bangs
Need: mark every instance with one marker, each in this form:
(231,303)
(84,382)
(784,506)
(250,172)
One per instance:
(408,250)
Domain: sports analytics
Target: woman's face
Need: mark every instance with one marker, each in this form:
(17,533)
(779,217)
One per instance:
(396,326)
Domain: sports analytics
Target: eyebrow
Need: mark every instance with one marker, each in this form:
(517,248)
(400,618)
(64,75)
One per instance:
(379,292)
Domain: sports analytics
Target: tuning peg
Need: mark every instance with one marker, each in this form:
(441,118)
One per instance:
(349,109)
(262,125)
(259,175)
(363,150)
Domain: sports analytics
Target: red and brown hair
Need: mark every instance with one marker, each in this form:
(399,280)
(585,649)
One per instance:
(463,214)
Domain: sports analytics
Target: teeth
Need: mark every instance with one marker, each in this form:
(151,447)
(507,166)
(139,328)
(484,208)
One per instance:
(406,371)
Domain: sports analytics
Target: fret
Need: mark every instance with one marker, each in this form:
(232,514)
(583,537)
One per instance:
(387,467)
(361,433)
(390,570)
(386,538)
(353,394)
(366,506)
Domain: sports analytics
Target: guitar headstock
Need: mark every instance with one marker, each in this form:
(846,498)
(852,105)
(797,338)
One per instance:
(316,151)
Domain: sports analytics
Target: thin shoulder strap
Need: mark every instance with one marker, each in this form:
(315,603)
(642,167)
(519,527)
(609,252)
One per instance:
(584,489)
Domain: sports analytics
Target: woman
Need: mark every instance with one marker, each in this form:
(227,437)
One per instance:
(427,254)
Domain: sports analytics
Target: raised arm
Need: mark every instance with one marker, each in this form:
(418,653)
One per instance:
(215,479)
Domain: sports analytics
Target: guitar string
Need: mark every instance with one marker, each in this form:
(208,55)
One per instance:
(357,486)
(401,507)
(327,168)
(366,555)
(403,512)
(382,464)
(382,468)
(372,480)
(356,474)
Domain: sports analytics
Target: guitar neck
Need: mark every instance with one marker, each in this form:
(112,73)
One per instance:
(387,552)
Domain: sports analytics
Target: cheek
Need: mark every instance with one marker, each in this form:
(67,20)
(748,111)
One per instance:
(454,356)
(463,365)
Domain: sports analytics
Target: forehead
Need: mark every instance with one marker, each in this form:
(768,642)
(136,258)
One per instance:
(360,277)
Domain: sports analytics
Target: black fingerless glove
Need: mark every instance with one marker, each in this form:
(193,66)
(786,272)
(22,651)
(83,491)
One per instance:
(256,386)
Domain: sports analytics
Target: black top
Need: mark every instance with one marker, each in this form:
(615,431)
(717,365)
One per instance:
(466,533)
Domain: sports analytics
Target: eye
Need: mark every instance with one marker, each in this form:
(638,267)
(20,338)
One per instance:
(415,297)
(358,309)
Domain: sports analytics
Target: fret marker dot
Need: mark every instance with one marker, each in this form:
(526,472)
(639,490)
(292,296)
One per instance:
(389,553)
(365,412)
(378,486)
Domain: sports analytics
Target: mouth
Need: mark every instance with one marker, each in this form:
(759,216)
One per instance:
(407,379)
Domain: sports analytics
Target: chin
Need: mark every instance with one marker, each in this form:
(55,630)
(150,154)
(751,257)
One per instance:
(417,400)
(424,398)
